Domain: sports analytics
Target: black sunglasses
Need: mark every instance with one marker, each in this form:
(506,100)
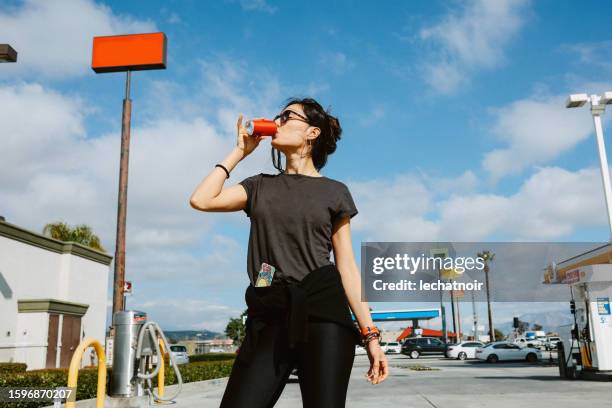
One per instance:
(284,117)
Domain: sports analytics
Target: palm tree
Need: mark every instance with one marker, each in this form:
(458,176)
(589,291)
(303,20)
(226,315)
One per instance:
(488,256)
(81,234)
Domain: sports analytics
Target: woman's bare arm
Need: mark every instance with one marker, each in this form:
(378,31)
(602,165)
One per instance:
(349,271)
(351,281)
(210,194)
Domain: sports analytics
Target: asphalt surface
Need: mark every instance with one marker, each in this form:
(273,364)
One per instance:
(453,384)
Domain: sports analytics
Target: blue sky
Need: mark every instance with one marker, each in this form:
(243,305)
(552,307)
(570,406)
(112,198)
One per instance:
(453,117)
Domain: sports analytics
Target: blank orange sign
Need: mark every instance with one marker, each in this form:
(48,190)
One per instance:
(134,52)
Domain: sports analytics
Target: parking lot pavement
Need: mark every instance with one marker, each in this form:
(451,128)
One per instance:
(455,384)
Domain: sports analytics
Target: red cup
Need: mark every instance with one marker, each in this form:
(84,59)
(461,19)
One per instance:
(260,127)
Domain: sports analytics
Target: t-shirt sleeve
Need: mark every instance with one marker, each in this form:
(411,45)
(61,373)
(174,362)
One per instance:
(250,184)
(345,206)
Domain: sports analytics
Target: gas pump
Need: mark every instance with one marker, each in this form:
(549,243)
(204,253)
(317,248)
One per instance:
(135,344)
(586,346)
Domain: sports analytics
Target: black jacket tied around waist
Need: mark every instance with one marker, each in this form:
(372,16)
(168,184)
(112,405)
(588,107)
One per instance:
(319,295)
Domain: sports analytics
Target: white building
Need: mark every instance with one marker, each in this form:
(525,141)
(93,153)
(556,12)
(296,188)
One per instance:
(52,295)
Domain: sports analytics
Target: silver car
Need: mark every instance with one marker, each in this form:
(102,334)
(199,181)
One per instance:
(180,354)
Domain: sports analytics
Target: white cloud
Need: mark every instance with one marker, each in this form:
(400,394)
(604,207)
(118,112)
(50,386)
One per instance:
(594,54)
(470,39)
(536,131)
(170,312)
(372,117)
(257,5)
(551,204)
(58,123)
(393,210)
(336,62)
(174,19)
(54,38)
(463,183)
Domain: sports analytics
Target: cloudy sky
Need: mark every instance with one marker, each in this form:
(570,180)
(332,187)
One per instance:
(453,116)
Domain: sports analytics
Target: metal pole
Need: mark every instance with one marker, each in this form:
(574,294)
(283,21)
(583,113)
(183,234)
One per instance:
(119,276)
(453,312)
(491,330)
(459,338)
(442,312)
(475,318)
(597,109)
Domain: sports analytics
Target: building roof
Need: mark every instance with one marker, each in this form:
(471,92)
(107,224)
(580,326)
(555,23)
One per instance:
(20,234)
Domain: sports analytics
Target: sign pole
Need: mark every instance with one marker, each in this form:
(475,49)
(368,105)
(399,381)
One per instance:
(118,297)
(126,53)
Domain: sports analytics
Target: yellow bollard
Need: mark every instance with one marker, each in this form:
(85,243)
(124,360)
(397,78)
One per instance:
(75,363)
(161,374)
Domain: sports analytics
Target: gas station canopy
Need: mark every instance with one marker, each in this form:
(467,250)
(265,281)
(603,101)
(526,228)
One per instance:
(397,315)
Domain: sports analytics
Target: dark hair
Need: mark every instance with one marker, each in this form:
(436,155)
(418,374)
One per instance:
(325,143)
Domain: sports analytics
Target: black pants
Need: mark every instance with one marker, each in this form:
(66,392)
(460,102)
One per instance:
(324,364)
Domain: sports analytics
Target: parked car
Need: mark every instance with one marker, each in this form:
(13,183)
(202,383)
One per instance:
(416,346)
(503,350)
(360,350)
(464,350)
(180,354)
(551,343)
(216,350)
(528,342)
(392,347)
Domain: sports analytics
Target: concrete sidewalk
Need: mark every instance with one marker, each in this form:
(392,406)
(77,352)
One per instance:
(454,384)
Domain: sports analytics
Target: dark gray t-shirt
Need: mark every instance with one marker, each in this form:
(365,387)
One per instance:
(292,216)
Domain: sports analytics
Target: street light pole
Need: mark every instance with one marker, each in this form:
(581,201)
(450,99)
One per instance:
(598,107)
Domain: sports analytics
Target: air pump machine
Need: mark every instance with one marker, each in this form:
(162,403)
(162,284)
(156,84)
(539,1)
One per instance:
(136,343)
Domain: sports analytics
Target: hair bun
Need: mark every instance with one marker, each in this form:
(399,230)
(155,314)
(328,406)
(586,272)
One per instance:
(334,134)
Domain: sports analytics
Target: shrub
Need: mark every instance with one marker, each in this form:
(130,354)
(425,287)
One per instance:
(88,378)
(13,367)
(212,357)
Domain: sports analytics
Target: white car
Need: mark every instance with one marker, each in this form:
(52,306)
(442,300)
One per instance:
(392,347)
(503,350)
(180,354)
(524,342)
(464,350)
(551,343)
(360,350)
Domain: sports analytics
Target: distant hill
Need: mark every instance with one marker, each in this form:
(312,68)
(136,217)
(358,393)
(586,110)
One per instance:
(179,335)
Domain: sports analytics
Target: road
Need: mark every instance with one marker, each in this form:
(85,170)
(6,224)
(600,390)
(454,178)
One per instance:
(452,384)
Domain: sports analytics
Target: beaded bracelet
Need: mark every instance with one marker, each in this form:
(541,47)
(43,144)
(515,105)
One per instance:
(367,339)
